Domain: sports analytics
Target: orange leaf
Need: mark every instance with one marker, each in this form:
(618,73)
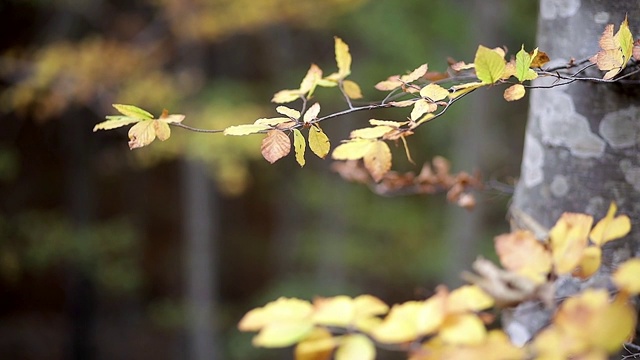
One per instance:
(522,253)
(514,92)
(275,145)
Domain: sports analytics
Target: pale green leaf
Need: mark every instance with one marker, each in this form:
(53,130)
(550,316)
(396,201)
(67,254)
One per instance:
(490,65)
(133,111)
(523,65)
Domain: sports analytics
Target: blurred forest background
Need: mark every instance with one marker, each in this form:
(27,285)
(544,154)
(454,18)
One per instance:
(107,253)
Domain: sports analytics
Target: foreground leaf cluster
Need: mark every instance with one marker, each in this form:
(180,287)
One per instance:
(460,323)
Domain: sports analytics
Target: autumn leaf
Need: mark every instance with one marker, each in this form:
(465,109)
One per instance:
(307,86)
(616,50)
(352,150)
(317,345)
(421,107)
(610,228)
(318,141)
(377,160)
(352,89)
(459,90)
(312,113)
(490,65)
(468,298)
(246,129)
(343,60)
(287,111)
(130,115)
(133,111)
(396,81)
(522,253)
(299,145)
(539,59)
(434,92)
(589,262)
(275,145)
(375,132)
(360,312)
(462,329)
(355,347)
(568,239)
(626,276)
(514,92)
(523,65)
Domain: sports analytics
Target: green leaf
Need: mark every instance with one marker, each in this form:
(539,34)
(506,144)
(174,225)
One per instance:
(115,121)
(625,38)
(489,65)
(523,65)
(133,111)
(299,145)
(246,129)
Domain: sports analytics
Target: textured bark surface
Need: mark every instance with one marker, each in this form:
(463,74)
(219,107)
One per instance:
(581,144)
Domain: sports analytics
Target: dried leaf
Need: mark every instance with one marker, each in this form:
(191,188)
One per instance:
(539,59)
(275,145)
(514,92)
(312,113)
(522,253)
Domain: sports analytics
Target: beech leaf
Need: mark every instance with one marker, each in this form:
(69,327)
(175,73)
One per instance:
(352,149)
(312,113)
(626,276)
(246,129)
(434,92)
(355,347)
(299,145)
(352,89)
(378,160)
(343,58)
(275,146)
(514,92)
(523,64)
(318,141)
(371,132)
(114,122)
(287,111)
(133,111)
(142,134)
(490,65)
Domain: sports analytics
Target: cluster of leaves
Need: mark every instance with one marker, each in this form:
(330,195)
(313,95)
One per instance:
(454,324)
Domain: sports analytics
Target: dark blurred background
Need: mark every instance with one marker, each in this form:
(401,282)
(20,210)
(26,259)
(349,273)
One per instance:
(156,253)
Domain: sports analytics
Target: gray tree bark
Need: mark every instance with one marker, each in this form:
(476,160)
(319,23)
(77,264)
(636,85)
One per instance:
(581,143)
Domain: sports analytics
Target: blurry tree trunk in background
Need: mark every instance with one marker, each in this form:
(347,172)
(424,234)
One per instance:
(581,143)
(472,144)
(201,276)
(80,290)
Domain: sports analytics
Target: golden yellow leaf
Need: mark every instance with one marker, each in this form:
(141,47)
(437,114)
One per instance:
(142,134)
(299,145)
(552,344)
(367,308)
(312,113)
(352,149)
(539,59)
(490,65)
(334,311)
(317,345)
(377,160)
(343,58)
(463,329)
(522,253)
(568,239)
(318,141)
(275,145)
(589,263)
(468,298)
(514,92)
(627,276)
(355,347)
(416,74)
(421,107)
(610,228)
(410,320)
(282,309)
(352,89)
(434,92)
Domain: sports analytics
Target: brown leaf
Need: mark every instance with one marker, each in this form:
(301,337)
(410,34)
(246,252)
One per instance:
(275,145)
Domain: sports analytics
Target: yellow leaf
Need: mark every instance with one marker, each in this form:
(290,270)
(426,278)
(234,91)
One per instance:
(286,96)
(352,89)
(287,111)
(318,345)
(299,145)
(246,129)
(352,149)
(490,65)
(271,121)
(610,228)
(403,103)
(396,81)
(410,320)
(343,58)
(282,334)
(459,90)
(468,298)
(310,80)
(367,308)
(142,134)
(568,239)
(171,119)
(378,160)
(421,107)
(163,132)
(395,124)
(416,74)
(335,311)
(312,113)
(318,141)
(114,122)
(463,329)
(355,347)
(280,310)
(589,263)
(370,132)
(514,92)
(522,253)
(275,145)
(434,92)
(627,276)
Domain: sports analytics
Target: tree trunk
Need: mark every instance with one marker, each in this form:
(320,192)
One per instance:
(580,151)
